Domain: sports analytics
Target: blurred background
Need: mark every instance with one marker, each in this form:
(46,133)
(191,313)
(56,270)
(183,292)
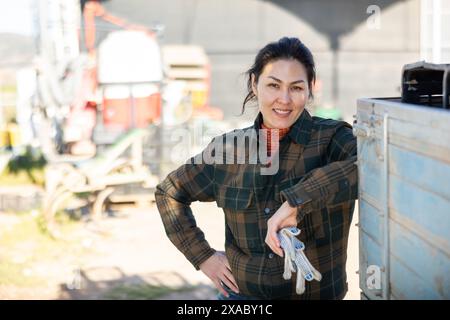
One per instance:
(99,100)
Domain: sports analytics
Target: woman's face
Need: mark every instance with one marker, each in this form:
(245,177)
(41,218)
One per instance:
(282,92)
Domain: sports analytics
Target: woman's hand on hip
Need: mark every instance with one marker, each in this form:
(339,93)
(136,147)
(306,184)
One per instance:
(286,216)
(218,270)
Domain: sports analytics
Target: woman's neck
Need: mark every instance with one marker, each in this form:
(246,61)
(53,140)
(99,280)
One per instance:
(281,132)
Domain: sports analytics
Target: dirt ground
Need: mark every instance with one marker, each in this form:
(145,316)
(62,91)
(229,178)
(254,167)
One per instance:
(125,256)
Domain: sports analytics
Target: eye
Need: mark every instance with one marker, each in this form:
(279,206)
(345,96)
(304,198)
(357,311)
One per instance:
(297,88)
(273,85)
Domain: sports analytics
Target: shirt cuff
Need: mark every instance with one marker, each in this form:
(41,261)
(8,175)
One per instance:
(298,198)
(197,260)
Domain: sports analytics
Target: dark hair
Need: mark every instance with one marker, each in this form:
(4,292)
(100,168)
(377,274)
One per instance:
(285,48)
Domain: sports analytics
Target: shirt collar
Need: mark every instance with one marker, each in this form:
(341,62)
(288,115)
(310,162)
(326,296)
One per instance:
(300,131)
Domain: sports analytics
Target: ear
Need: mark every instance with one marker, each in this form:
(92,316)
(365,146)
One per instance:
(254,85)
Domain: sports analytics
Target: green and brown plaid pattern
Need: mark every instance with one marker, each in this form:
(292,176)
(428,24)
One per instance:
(317,173)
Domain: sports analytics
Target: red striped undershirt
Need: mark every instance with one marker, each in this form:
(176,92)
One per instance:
(281,134)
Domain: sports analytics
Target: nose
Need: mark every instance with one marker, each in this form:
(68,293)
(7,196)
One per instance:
(284,97)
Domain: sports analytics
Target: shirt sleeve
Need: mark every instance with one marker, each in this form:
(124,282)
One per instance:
(331,184)
(191,182)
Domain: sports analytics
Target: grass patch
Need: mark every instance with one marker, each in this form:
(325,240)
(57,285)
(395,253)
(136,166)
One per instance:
(28,244)
(25,167)
(8,88)
(17,275)
(25,177)
(141,292)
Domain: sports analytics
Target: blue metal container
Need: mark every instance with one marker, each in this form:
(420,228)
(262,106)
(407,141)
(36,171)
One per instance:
(404,200)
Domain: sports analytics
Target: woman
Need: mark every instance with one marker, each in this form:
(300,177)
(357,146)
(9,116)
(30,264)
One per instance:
(307,180)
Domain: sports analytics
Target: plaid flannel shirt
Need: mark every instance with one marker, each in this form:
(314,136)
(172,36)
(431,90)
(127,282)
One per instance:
(317,174)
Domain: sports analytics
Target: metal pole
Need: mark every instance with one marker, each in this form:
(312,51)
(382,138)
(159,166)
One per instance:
(445,88)
(386,284)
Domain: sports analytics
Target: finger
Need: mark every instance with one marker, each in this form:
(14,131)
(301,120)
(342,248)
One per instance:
(221,289)
(269,241)
(275,249)
(227,264)
(276,244)
(229,284)
(272,229)
(233,284)
(275,240)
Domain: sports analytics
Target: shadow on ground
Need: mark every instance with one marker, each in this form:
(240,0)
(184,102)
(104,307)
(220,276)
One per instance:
(110,283)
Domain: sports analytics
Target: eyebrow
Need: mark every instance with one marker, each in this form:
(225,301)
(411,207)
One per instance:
(278,80)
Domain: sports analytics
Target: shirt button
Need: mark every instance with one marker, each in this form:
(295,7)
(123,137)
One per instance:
(270,255)
(267,210)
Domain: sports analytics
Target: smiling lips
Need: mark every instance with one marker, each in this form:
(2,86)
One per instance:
(282,113)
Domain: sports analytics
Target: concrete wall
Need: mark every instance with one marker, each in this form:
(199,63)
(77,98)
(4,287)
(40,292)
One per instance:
(367,62)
